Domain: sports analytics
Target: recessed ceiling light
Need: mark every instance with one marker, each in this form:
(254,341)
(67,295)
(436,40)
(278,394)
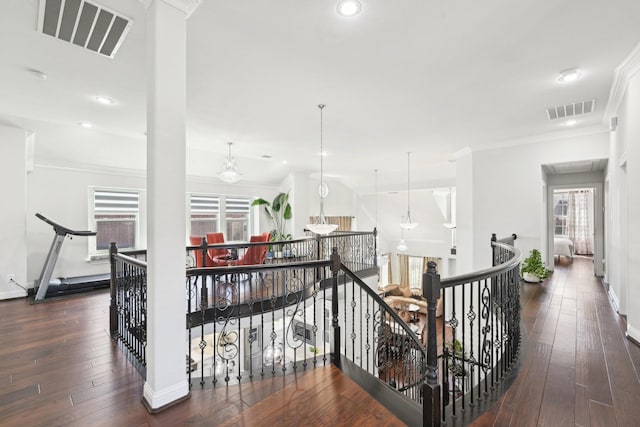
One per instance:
(568,76)
(349,8)
(570,122)
(284,162)
(86,125)
(104,100)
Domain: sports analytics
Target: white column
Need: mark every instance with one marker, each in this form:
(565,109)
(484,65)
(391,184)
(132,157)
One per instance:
(166,110)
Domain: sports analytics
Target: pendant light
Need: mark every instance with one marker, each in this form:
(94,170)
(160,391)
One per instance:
(321,226)
(229,173)
(402,245)
(406,223)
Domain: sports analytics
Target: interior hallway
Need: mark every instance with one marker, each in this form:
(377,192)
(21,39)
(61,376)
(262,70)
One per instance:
(578,367)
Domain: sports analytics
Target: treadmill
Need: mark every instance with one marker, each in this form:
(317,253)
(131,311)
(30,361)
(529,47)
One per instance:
(47,288)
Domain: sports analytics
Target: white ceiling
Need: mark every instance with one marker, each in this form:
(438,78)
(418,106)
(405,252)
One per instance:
(405,75)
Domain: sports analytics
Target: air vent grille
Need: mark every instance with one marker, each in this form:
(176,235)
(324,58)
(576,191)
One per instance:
(571,110)
(85,24)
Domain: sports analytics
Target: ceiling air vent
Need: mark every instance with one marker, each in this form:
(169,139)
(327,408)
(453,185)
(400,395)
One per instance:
(85,24)
(571,110)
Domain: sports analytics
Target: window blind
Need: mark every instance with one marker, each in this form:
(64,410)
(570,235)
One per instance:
(116,201)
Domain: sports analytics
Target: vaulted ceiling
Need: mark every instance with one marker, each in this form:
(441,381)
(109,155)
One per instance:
(406,75)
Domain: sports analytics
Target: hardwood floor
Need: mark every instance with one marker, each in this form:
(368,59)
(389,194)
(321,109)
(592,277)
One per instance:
(59,367)
(578,367)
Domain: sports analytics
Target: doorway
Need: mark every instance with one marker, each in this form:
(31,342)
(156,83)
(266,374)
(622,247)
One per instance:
(575,212)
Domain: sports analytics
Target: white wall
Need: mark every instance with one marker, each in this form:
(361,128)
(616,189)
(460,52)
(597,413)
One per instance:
(508,193)
(430,238)
(624,262)
(339,202)
(13,248)
(62,194)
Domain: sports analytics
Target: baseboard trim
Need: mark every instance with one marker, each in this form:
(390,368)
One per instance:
(157,401)
(633,334)
(614,300)
(16,293)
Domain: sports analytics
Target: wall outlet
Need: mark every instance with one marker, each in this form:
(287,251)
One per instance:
(11,277)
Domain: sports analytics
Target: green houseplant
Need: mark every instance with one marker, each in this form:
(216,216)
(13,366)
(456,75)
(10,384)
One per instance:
(278,212)
(533,269)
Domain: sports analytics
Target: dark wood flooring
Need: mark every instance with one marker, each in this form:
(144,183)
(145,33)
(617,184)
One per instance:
(58,367)
(578,367)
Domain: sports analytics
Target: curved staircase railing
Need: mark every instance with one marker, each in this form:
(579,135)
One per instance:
(248,322)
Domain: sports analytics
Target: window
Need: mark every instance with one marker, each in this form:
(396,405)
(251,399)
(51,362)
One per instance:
(116,219)
(560,209)
(205,215)
(237,218)
(416,265)
(228,214)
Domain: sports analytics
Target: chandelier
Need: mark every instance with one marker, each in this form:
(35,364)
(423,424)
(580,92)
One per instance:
(406,223)
(229,174)
(321,226)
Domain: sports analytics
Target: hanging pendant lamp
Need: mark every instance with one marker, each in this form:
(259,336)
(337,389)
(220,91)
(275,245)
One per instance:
(406,223)
(320,226)
(229,174)
(402,245)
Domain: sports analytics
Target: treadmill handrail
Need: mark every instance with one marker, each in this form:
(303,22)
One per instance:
(63,231)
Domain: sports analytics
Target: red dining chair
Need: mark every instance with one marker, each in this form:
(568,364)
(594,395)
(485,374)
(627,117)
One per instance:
(255,254)
(217,257)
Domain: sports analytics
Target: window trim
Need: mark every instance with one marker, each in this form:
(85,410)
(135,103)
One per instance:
(140,235)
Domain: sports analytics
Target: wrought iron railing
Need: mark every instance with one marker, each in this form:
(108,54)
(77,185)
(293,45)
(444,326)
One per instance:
(128,307)
(357,250)
(248,322)
(480,336)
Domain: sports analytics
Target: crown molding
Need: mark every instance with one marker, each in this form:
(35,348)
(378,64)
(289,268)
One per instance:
(186,6)
(622,74)
(545,137)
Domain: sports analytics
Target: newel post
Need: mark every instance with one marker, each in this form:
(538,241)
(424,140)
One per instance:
(494,261)
(204,292)
(335,326)
(431,387)
(113,309)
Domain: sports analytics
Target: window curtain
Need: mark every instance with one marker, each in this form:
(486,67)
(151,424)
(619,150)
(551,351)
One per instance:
(403,265)
(343,222)
(437,260)
(580,221)
(385,271)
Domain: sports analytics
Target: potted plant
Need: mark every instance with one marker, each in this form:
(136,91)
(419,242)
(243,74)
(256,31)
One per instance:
(278,212)
(456,359)
(533,269)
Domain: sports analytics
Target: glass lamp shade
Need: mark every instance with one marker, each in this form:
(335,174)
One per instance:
(402,246)
(408,225)
(229,173)
(322,228)
(229,176)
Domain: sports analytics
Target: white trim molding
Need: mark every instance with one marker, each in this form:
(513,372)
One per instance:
(622,160)
(614,300)
(156,400)
(16,293)
(623,73)
(186,6)
(633,333)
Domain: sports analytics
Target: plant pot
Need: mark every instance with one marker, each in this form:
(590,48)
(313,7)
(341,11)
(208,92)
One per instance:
(530,278)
